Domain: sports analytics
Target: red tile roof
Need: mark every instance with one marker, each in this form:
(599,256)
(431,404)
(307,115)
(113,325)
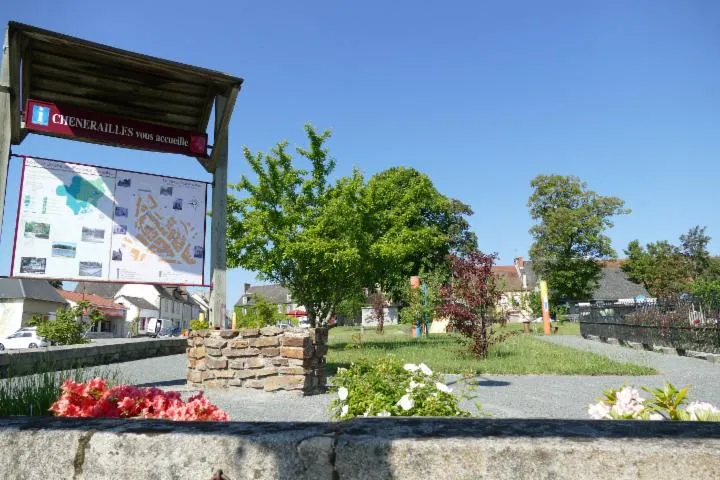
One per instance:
(511,281)
(95,300)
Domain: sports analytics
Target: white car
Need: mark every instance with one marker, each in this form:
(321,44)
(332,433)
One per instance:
(23,338)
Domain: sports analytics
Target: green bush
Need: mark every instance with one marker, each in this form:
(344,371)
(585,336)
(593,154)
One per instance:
(199,325)
(33,394)
(69,325)
(386,387)
(259,314)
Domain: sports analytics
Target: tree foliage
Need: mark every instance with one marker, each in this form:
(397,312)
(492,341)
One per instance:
(694,246)
(260,313)
(69,325)
(569,237)
(326,241)
(668,270)
(294,229)
(660,267)
(412,228)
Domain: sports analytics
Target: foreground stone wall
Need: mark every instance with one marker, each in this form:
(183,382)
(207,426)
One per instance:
(383,448)
(269,358)
(37,360)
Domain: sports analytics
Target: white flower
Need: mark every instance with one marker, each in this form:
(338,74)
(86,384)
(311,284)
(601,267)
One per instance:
(411,367)
(366,413)
(383,414)
(442,387)
(655,416)
(628,402)
(701,410)
(406,403)
(413,385)
(342,393)
(599,411)
(424,368)
(344,410)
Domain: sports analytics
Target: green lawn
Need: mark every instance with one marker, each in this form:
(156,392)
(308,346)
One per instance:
(522,354)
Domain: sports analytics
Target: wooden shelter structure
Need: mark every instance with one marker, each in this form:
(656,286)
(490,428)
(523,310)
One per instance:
(51,67)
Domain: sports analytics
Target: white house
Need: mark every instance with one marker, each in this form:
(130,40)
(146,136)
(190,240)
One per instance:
(20,299)
(138,309)
(172,304)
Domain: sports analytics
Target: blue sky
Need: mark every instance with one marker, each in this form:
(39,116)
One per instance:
(480,95)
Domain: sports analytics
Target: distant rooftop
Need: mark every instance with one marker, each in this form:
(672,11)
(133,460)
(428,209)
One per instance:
(29,289)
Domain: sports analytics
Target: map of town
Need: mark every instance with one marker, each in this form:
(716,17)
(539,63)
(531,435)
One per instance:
(82,193)
(165,236)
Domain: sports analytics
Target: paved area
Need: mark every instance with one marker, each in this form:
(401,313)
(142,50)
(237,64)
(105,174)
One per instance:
(502,396)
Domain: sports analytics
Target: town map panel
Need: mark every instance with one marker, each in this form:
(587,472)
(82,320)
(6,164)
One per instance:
(79,222)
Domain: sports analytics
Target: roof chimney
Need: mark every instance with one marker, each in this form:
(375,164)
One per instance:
(246,287)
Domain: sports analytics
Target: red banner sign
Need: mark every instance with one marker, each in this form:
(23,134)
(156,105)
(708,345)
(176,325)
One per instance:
(68,121)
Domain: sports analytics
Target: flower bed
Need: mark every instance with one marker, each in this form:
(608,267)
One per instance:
(387,387)
(667,403)
(96,399)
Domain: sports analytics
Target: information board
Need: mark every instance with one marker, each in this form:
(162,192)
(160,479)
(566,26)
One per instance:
(82,222)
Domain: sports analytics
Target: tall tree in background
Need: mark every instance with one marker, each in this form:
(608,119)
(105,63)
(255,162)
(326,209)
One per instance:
(694,246)
(294,228)
(660,267)
(569,237)
(667,270)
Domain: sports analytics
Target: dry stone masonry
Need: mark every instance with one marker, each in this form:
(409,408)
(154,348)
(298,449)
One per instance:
(269,359)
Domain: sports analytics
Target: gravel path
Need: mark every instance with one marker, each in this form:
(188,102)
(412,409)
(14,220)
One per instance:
(502,396)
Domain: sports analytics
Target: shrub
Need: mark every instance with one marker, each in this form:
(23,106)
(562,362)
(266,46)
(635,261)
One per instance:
(386,388)
(96,399)
(69,325)
(469,301)
(667,403)
(199,325)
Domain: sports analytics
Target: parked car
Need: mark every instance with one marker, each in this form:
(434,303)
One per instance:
(170,332)
(23,338)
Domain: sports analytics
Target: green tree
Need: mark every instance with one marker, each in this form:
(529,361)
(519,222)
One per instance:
(325,242)
(56,283)
(569,237)
(69,325)
(660,267)
(708,292)
(694,246)
(412,228)
(294,228)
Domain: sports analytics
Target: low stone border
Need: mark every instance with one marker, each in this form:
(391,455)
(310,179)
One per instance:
(38,360)
(382,448)
(710,357)
(269,358)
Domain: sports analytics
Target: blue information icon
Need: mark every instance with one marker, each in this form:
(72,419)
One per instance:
(40,115)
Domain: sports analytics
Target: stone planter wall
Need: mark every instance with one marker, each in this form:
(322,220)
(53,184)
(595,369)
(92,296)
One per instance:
(269,359)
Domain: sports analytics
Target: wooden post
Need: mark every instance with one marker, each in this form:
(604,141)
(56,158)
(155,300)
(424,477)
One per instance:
(218,226)
(5,121)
